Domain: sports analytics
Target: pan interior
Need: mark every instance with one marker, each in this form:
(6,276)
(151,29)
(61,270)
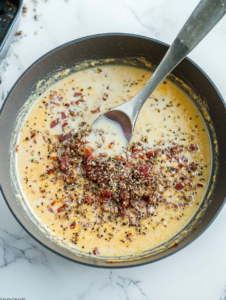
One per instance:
(140,62)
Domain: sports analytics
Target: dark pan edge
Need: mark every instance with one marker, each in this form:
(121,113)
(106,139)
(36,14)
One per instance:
(82,39)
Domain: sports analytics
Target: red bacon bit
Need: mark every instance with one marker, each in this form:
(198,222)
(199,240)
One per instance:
(34,141)
(67,136)
(137,147)
(50,210)
(33,135)
(193,166)
(100,199)
(62,137)
(82,124)
(184,159)
(65,124)
(96,110)
(180,166)
(80,100)
(89,158)
(177,149)
(50,171)
(63,115)
(64,163)
(77,94)
(179,186)
(122,177)
(67,105)
(168,155)
(150,154)
(54,123)
(46,104)
(107,194)
(72,225)
(54,157)
(89,199)
(103,154)
(71,132)
(200,185)
(96,251)
(52,203)
(146,170)
(105,96)
(180,148)
(61,208)
(54,103)
(88,150)
(193,147)
(72,113)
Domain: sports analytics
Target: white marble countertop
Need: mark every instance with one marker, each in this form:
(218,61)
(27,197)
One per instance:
(28,270)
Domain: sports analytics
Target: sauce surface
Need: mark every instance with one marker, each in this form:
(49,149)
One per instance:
(168,118)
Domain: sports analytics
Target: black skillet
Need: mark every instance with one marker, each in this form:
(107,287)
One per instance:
(10,13)
(120,47)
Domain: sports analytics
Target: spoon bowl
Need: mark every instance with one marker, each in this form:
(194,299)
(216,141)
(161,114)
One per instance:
(122,119)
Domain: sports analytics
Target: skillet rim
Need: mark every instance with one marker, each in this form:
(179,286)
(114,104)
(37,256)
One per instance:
(134,263)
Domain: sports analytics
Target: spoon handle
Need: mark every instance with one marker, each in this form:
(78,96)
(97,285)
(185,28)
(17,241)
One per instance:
(202,20)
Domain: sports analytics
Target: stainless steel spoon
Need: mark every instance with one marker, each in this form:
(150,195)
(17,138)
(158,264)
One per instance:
(202,20)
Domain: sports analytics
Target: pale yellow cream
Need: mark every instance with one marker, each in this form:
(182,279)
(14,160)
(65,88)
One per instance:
(168,114)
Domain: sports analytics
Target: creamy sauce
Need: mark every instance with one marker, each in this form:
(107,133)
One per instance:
(106,137)
(78,100)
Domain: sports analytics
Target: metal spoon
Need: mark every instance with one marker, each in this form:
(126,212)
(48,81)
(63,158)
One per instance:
(202,20)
